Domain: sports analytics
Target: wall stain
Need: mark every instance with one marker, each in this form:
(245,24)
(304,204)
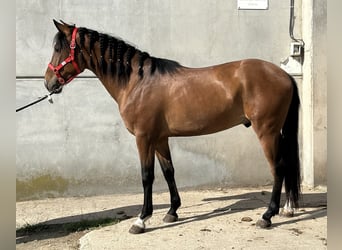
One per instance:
(46,185)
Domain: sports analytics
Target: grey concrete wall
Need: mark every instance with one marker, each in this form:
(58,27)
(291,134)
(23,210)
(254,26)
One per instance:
(79,145)
(314,99)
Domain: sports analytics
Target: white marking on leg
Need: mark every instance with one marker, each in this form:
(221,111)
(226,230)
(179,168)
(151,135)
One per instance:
(289,205)
(141,222)
(288,209)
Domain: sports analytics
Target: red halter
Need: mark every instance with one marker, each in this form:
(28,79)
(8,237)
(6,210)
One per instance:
(70,59)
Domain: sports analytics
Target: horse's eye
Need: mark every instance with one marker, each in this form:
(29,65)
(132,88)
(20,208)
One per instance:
(57,49)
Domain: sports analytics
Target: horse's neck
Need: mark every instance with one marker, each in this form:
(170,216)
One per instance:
(118,87)
(109,82)
(113,88)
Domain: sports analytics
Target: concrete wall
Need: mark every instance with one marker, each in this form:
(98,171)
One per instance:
(79,146)
(314,99)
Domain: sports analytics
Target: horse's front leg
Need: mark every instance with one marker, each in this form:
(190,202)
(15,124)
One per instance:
(146,154)
(164,157)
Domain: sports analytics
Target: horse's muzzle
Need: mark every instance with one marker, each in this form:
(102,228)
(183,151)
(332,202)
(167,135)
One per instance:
(55,88)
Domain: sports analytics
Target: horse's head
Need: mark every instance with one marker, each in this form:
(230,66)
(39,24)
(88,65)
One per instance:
(66,62)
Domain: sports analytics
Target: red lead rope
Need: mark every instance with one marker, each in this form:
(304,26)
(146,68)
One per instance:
(70,59)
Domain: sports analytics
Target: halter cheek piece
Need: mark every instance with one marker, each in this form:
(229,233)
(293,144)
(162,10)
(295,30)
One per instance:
(69,59)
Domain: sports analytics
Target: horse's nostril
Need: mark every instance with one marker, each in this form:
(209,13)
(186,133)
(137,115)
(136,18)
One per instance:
(57,88)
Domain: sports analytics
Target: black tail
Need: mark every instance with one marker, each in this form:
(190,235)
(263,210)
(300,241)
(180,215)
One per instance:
(290,148)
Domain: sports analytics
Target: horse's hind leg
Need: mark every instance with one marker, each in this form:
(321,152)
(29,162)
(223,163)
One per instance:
(164,157)
(270,144)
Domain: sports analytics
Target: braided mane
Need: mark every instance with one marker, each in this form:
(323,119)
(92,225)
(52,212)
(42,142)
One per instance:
(116,56)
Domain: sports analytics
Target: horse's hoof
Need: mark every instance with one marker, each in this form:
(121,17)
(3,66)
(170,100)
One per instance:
(286,212)
(263,223)
(136,230)
(170,218)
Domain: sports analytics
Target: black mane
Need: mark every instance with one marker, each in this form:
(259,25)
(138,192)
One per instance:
(119,52)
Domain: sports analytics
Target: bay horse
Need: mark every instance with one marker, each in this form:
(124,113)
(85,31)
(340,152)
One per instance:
(159,98)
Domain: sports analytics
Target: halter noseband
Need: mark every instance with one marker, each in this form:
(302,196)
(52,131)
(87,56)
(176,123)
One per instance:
(69,59)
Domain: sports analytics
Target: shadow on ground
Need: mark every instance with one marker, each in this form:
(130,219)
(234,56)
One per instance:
(64,226)
(255,200)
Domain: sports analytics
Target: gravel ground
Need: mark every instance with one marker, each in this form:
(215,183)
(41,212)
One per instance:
(219,218)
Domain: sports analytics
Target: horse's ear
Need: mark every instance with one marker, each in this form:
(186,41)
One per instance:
(63,22)
(63,27)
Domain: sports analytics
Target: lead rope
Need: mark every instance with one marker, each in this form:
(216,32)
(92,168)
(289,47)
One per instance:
(39,100)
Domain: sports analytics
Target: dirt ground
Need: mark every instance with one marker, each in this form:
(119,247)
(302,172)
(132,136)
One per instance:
(219,218)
